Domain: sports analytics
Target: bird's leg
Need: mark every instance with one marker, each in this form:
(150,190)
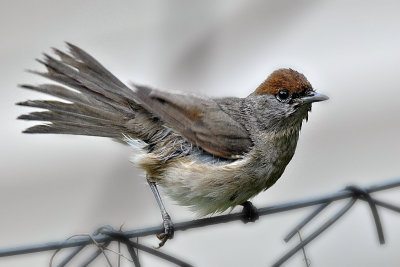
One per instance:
(250,213)
(167,222)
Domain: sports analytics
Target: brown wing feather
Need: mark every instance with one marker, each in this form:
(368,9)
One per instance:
(200,120)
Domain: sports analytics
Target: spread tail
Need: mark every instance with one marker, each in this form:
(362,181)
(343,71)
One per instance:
(98,104)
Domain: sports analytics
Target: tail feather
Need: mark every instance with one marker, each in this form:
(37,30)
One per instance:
(74,129)
(58,91)
(83,79)
(96,71)
(68,117)
(71,96)
(82,83)
(97,67)
(98,103)
(60,78)
(68,108)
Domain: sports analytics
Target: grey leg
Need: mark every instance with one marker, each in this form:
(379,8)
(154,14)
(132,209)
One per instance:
(167,223)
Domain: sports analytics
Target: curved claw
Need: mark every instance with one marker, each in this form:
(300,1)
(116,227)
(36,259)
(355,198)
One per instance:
(168,232)
(250,213)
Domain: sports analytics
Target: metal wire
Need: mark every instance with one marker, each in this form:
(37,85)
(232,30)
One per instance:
(316,233)
(106,235)
(306,220)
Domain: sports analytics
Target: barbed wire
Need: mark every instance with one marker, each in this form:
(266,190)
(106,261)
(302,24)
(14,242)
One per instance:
(104,236)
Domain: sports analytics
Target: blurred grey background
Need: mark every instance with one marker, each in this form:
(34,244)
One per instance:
(53,186)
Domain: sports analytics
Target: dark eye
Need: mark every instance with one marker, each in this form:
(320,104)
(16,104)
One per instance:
(282,95)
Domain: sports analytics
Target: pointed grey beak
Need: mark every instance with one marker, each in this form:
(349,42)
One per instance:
(312,97)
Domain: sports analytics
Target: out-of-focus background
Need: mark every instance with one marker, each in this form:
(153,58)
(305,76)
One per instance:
(53,186)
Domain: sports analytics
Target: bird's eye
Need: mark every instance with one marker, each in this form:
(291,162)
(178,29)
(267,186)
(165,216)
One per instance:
(282,95)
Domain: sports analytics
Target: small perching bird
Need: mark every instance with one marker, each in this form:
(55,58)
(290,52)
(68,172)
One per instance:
(207,153)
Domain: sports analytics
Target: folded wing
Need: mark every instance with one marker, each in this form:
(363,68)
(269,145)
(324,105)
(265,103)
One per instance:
(200,120)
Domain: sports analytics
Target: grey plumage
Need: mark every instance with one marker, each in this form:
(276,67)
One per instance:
(214,130)
(98,103)
(101,105)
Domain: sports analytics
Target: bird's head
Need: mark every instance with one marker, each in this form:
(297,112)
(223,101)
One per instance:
(288,96)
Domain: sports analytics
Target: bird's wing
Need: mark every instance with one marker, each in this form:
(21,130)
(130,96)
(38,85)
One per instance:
(200,120)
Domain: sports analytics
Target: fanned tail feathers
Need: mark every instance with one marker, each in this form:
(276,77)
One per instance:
(98,104)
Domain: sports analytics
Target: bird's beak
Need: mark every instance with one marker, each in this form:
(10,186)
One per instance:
(312,97)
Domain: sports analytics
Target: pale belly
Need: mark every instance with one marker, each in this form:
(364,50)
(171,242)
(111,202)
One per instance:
(209,188)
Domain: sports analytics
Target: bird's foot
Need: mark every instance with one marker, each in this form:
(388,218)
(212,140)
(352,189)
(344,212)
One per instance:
(250,213)
(168,231)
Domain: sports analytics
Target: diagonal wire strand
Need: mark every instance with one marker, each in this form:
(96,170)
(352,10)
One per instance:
(97,253)
(160,254)
(361,193)
(311,237)
(79,249)
(306,260)
(120,237)
(387,205)
(71,256)
(306,220)
(133,254)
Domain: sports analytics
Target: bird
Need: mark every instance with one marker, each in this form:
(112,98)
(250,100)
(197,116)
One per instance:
(208,154)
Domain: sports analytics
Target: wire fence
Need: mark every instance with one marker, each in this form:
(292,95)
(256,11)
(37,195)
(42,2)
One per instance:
(104,236)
